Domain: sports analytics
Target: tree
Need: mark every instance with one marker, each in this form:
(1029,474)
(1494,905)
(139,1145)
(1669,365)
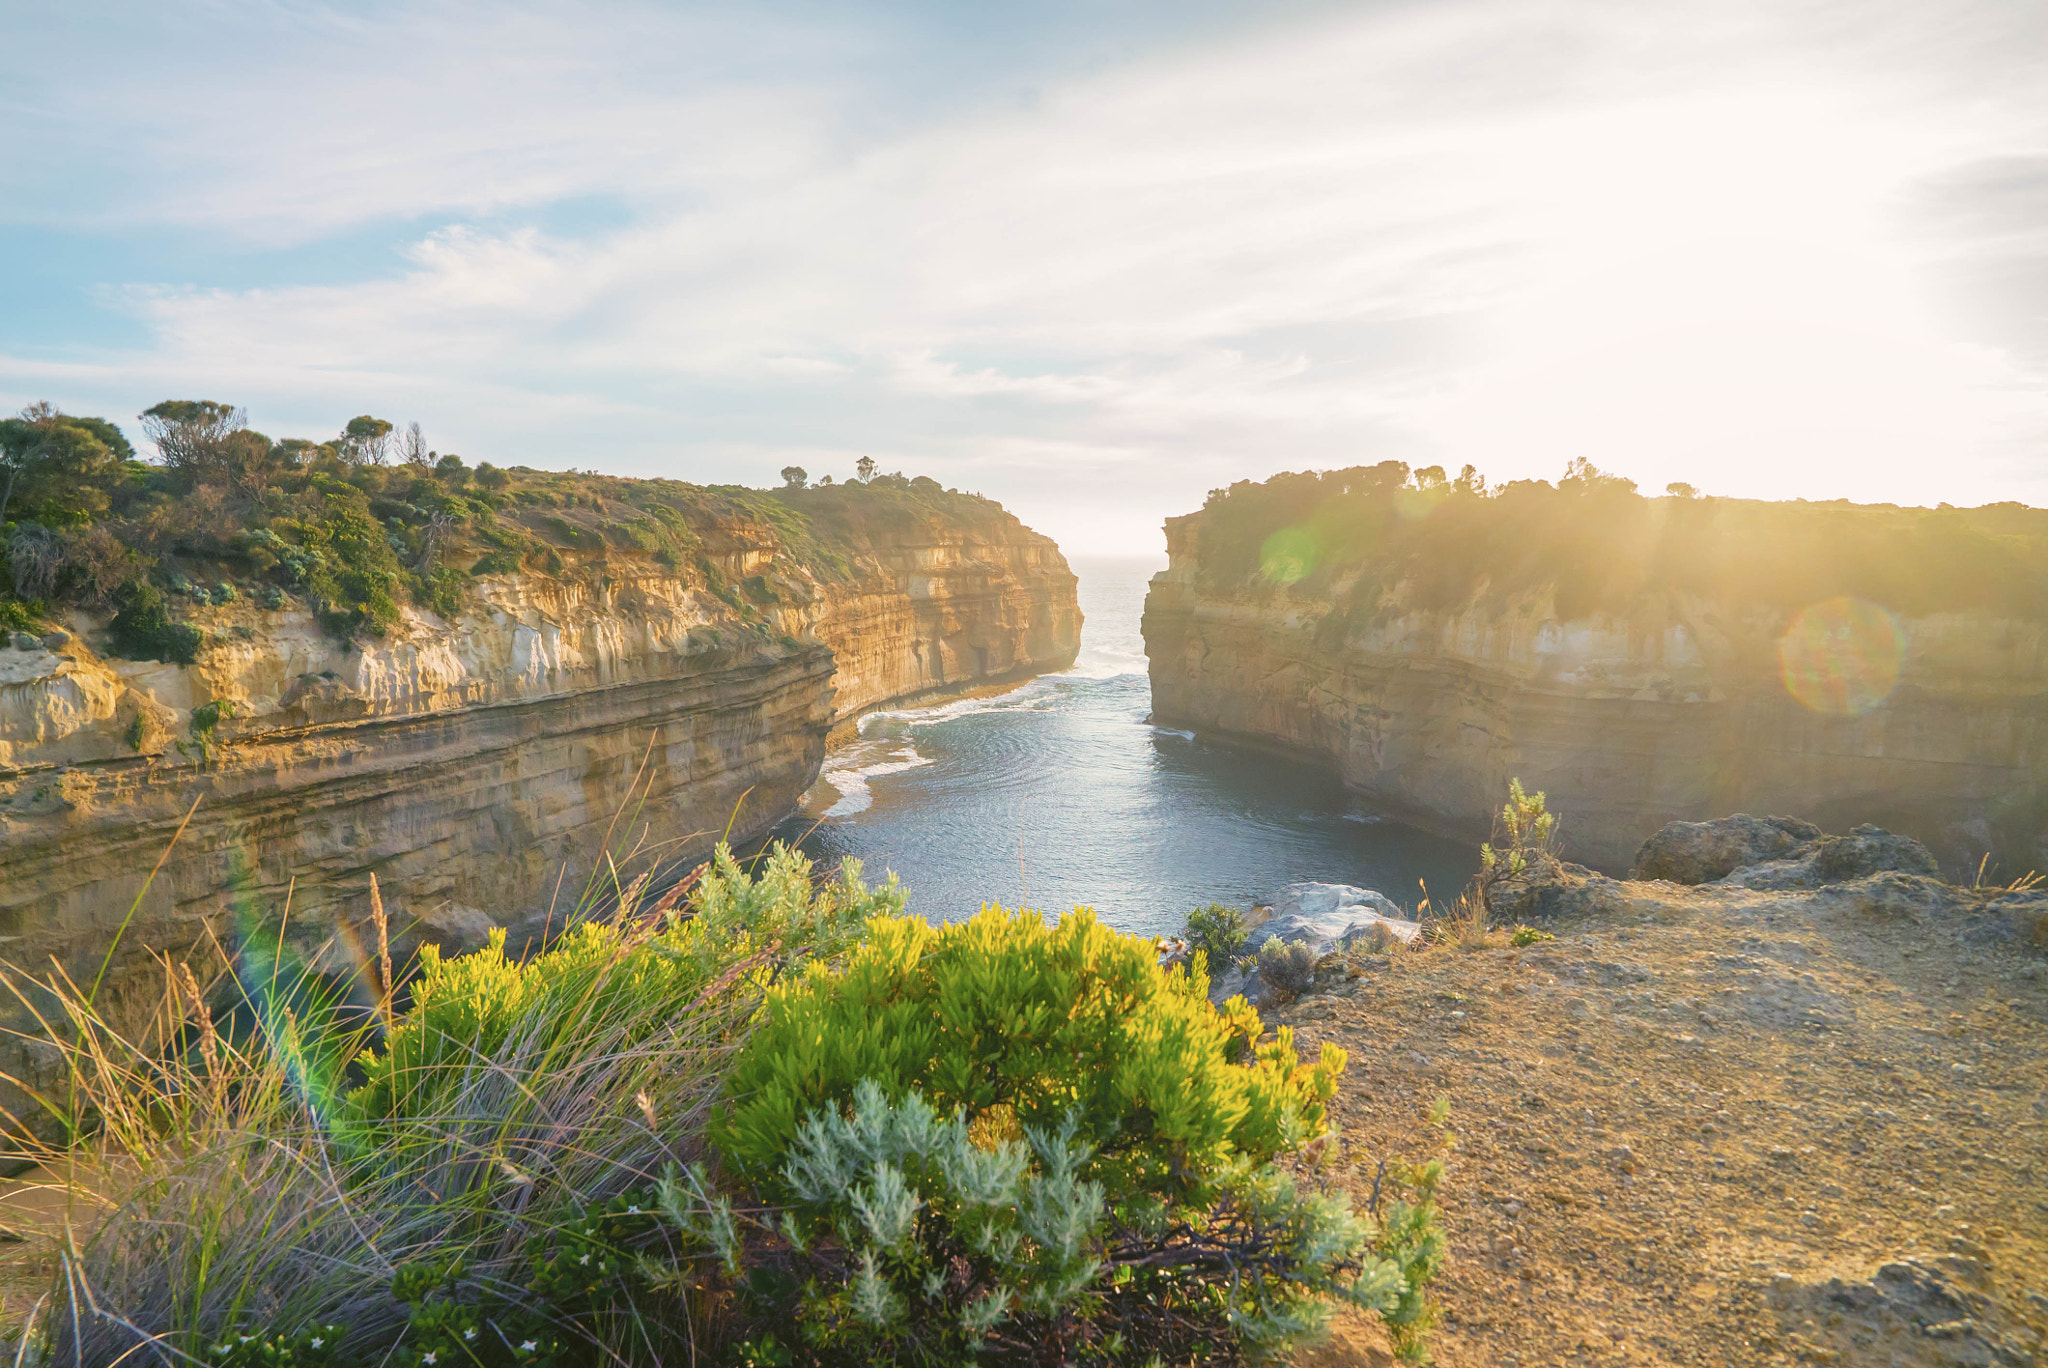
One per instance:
(490,477)
(412,447)
(1581,476)
(865,467)
(295,452)
(55,464)
(117,443)
(191,435)
(365,441)
(793,477)
(1679,489)
(450,468)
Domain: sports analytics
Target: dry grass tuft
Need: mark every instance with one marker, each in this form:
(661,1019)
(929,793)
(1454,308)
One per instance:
(230,1184)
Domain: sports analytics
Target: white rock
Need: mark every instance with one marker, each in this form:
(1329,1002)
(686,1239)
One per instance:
(1330,917)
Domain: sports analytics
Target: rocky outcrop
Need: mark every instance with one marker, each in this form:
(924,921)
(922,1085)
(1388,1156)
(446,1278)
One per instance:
(1701,852)
(1324,919)
(1670,708)
(491,767)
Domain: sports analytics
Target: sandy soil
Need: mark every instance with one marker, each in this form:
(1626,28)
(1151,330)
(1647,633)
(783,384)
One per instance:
(1716,1126)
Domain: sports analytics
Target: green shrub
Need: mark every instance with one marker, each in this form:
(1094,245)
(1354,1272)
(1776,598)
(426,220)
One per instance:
(205,723)
(1218,932)
(256,1347)
(17,616)
(577,1274)
(495,563)
(600,975)
(1410,1236)
(1004,1014)
(143,630)
(1289,966)
(443,592)
(1066,1053)
(914,1239)
(1524,844)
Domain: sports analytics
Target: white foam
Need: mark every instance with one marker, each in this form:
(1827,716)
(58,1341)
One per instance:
(1027,697)
(1108,662)
(850,777)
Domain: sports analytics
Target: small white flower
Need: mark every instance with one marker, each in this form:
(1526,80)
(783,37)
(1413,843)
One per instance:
(317,1341)
(591,1231)
(246,1338)
(469,1333)
(528,1347)
(428,1357)
(632,1211)
(584,1260)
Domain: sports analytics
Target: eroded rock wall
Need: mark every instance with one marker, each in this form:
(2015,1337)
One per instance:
(1674,711)
(483,766)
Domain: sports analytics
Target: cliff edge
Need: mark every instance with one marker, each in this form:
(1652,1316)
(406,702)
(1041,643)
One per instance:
(1748,1115)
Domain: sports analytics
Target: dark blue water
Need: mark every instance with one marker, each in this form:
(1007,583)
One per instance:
(1059,793)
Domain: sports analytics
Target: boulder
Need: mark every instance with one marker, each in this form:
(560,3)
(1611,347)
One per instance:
(1701,852)
(1871,850)
(1556,888)
(1331,917)
(1327,918)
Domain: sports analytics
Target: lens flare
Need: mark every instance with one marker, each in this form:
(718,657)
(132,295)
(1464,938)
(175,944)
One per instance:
(1288,555)
(1842,656)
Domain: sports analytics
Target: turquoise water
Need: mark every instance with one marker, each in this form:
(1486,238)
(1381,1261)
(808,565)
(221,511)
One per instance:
(1058,793)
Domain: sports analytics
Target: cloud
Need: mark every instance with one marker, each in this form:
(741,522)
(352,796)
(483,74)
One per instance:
(1735,244)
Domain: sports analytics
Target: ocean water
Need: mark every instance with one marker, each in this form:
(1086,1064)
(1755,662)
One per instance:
(1059,793)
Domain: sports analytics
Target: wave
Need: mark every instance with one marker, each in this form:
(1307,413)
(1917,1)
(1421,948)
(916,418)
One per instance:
(851,774)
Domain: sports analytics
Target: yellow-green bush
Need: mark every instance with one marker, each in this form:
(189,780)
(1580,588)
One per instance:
(1009,1141)
(1019,1022)
(600,976)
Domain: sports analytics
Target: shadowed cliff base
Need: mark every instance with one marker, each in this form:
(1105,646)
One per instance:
(1642,660)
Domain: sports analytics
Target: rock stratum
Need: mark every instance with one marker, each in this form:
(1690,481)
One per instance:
(489,765)
(1640,661)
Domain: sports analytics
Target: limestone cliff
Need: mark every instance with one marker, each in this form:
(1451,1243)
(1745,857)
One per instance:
(483,764)
(1633,707)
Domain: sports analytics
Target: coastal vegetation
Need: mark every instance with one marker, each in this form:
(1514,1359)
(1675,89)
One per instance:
(761,1118)
(357,526)
(1600,544)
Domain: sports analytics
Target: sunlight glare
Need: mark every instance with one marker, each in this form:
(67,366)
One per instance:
(1718,298)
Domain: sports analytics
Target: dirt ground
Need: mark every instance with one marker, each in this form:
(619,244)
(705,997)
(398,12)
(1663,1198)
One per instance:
(1717,1126)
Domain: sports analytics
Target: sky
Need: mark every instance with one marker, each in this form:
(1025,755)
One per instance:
(1092,259)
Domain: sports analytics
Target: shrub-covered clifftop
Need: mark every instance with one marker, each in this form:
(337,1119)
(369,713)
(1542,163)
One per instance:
(355,531)
(1643,660)
(1396,540)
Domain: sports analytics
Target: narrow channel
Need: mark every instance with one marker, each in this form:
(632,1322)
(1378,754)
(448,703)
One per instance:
(1059,793)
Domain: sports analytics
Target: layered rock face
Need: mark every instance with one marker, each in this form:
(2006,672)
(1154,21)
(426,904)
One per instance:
(489,769)
(1672,709)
